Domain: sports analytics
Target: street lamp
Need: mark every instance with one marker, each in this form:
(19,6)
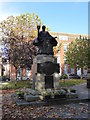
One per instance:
(88,73)
(0,67)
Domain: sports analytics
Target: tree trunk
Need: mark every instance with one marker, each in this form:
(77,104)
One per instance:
(16,73)
(9,72)
(76,70)
(81,72)
(21,73)
(2,70)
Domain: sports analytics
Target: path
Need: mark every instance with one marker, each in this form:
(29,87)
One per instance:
(82,91)
(0,100)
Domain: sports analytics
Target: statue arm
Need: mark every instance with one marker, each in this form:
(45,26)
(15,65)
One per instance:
(37,42)
(53,41)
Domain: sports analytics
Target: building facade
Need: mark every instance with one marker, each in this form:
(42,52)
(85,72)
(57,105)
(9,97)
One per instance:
(63,39)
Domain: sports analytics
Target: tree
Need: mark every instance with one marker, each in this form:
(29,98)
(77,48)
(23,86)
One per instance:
(20,30)
(57,48)
(22,55)
(77,54)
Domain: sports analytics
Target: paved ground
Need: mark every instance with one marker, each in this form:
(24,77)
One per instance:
(73,110)
(13,112)
(82,91)
(0,101)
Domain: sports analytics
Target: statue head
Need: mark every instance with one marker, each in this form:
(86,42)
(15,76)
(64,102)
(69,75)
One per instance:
(43,28)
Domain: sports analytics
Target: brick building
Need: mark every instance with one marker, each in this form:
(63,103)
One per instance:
(64,39)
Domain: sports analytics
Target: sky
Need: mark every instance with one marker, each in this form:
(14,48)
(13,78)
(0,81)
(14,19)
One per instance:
(65,17)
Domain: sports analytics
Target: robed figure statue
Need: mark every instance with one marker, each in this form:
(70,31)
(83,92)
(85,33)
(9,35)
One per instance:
(44,42)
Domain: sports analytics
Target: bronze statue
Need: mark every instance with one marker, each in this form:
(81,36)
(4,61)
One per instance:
(44,42)
(45,68)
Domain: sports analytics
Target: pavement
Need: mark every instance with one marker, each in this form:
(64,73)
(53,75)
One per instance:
(82,91)
(75,111)
(0,100)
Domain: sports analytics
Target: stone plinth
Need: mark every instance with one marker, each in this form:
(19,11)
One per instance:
(45,73)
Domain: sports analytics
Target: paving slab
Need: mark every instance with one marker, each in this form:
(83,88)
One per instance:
(25,103)
(30,98)
(82,91)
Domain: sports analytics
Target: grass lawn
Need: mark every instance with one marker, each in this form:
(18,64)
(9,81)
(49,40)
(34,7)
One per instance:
(26,84)
(67,83)
(19,84)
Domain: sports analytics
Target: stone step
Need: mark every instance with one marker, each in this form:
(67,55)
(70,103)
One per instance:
(30,98)
(50,102)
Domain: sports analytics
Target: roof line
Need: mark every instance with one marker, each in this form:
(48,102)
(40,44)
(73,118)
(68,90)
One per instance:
(68,33)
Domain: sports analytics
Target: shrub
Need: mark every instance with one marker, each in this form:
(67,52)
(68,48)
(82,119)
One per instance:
(63,76)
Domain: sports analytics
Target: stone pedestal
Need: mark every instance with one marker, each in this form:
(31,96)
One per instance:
(45,73)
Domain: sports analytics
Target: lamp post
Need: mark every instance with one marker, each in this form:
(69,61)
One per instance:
(88,73)
(0,67)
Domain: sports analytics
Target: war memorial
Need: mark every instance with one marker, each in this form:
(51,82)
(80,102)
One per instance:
(45,88)
(45,69)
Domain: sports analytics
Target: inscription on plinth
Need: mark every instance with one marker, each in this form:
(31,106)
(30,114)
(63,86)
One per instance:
(49,82)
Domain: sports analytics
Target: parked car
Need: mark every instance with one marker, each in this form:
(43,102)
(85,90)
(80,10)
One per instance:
(5,78)
(23,78)
(84,76)
(73,76)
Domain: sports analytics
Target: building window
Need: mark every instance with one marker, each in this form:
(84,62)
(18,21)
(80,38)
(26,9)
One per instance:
(28,72)
(58,59)
(84,72)
(65,69)
(72,70)
(62,37)
(65,47)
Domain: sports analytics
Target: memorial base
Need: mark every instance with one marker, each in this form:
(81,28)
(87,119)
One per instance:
(45,73)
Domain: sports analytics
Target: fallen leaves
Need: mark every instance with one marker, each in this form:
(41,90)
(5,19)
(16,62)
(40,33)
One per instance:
(13,112)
